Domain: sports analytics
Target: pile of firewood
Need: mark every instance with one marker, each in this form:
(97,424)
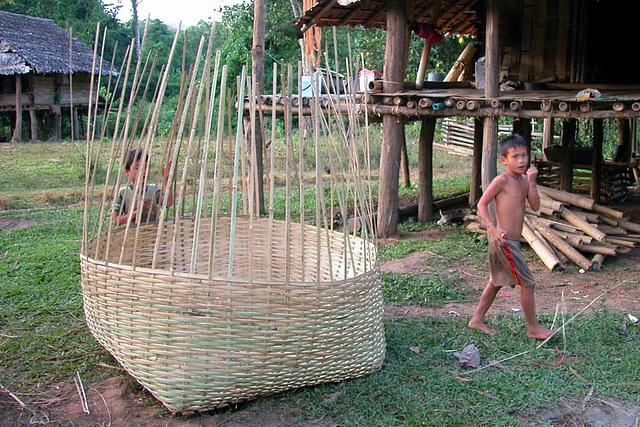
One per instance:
(569,228)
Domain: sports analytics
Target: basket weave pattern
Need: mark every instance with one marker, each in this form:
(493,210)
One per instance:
(197,339)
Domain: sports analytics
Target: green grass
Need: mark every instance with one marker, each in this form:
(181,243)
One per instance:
(44,336)
(426,290)
(44,341)
(458,246)
(422,389)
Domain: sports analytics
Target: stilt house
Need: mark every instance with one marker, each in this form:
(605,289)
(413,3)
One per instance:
(45,72)
(554,48)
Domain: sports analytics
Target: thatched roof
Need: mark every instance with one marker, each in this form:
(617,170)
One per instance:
(455,17)
(28,43)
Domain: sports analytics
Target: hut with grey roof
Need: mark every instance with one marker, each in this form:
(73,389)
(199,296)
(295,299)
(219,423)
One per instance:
(45,71)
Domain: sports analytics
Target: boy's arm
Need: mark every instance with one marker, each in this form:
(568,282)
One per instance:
(483,208)
(532,195)
(119,219)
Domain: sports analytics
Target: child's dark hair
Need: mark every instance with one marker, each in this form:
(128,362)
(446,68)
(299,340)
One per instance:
(134,156)
(512,141)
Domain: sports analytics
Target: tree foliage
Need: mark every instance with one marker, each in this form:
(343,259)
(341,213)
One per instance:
(232,37)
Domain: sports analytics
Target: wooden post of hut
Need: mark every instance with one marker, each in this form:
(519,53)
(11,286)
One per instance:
(623,149)
(475,190)
(566,170)
(57,121)
(392,125)
(404,161)
(596,160)
(33,120)
(522,126)
(17,130)
(547,135)
(491,90)
(425,168)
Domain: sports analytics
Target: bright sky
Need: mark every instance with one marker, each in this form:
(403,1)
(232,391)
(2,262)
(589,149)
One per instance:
(172,12)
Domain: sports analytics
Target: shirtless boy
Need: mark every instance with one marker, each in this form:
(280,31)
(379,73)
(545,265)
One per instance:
(510,190)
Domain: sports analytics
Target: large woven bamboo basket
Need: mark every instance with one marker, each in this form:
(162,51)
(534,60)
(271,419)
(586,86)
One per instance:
(197,339)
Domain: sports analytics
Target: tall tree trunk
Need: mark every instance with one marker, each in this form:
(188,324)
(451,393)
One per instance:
(391,125)
(257,70)
(136,26)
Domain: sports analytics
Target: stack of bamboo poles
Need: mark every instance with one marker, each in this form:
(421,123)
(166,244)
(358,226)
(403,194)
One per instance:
(572,229)
(219,301)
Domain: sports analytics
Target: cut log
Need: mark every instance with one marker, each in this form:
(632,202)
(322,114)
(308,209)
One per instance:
(628,225)
(583,225)
(595,249)
(570,198)
(621,242)
(612,231)
(609,221)
(607,211)
(564,247)
(547,256)
(597,261)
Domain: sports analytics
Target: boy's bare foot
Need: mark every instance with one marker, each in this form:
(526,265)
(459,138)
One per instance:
(539,332)
(482,327)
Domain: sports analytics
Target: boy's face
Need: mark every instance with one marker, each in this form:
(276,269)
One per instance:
(134,171)
(516,160)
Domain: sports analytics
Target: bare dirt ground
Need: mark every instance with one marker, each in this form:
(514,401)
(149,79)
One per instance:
(576,290)
(119,401)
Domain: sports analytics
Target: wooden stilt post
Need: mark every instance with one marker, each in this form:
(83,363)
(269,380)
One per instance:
(475,190)
(547,135)
(596,160)
(17,130)
(425,168)
(33,120)
(73,115)
(623,150)
(392,125)
(404,161)
(491,90)
(568,137)
(634,136)
(57,122)
(525,131)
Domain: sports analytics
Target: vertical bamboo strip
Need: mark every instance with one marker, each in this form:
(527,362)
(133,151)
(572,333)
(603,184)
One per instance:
(272,150)
(194,119)
(301,166)
(234,202)
(205,156)
(217,178)
(289,143)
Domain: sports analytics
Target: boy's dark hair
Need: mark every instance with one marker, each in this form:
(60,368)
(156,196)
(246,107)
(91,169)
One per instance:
(512,141)
(134,155)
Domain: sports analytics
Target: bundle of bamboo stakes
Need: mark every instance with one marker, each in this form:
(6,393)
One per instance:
(572,229)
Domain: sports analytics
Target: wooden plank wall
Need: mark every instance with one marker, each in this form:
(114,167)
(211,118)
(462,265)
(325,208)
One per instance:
(548,40)
(43,89)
